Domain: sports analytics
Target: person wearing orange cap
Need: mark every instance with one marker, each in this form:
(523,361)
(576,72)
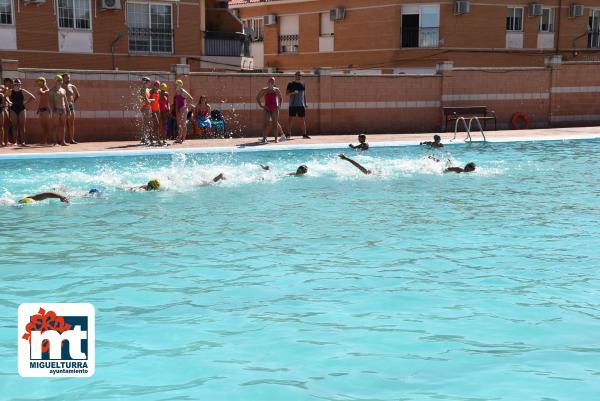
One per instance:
(144,97)
(155,112)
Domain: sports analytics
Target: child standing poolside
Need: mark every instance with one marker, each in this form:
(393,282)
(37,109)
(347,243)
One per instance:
(164,113)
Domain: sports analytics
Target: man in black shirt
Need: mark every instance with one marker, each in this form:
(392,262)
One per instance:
(295,91)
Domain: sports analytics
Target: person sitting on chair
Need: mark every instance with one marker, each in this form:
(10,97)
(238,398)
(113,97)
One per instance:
(202,116)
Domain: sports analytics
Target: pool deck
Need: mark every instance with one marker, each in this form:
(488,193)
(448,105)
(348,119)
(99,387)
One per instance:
(317,141)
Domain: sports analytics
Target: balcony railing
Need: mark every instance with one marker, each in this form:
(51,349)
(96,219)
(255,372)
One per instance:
(150,40)
(226,44)
(594,39)
(420,37)
(289,43)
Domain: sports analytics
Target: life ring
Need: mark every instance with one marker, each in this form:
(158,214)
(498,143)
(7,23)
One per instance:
(519,117)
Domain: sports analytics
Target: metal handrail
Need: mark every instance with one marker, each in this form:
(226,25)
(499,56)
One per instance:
(468,128)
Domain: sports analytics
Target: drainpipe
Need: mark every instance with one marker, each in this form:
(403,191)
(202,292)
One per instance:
(203,27)
(557,39)
(112,49)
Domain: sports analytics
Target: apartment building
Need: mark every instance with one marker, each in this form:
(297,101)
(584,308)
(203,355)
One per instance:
(144,35)
(412,36)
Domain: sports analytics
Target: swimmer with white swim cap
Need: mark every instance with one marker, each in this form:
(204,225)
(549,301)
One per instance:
(42,196)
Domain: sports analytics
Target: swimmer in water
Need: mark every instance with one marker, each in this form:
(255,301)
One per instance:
(218,178)
(355,163)
(469,167)
(362,143)
(437,142)
(42,196)
(152,185)
(300,171)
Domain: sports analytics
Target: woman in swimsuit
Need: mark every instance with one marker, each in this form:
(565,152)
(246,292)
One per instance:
(44,108)
(181,98)
(58,105)
(18,110)
(202,115)
(164,113)
(272,97)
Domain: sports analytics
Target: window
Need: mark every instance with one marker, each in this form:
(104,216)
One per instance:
(6,17)
(327,25)
(255,28)
(514,19)
(420,26)
(74,14)
(289,40)
(150,28)
(594,35)
(547,20)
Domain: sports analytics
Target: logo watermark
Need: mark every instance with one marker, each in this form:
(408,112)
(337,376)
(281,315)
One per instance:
(56,340)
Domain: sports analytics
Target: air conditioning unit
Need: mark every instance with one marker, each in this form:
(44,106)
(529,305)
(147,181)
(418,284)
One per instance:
(535,9)
(110,4)
(34,1)
(337,14)
(270,19)
(576,10)
(462,7)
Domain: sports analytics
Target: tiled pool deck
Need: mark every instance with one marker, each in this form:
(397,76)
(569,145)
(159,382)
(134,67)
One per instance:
(251,144)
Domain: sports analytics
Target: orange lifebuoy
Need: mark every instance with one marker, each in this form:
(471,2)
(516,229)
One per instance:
(519,117)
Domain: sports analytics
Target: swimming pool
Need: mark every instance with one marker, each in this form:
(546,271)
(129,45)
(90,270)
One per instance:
(404,285)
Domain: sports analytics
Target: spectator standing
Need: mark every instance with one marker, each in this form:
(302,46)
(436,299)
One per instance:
(296,91)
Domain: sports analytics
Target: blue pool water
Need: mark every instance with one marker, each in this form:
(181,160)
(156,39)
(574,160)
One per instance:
(404,285)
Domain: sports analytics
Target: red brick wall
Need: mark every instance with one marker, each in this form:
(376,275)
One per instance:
(37,40)
(566,94)
(370,35)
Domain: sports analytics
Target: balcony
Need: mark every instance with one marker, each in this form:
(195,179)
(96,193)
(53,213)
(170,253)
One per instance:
(226,51)
(420,37)
(225,44)
(289,43)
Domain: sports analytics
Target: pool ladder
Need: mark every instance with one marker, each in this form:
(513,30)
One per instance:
(468,128)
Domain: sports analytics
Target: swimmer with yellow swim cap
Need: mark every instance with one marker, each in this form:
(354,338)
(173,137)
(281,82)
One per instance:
(152,185)
(42,196)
